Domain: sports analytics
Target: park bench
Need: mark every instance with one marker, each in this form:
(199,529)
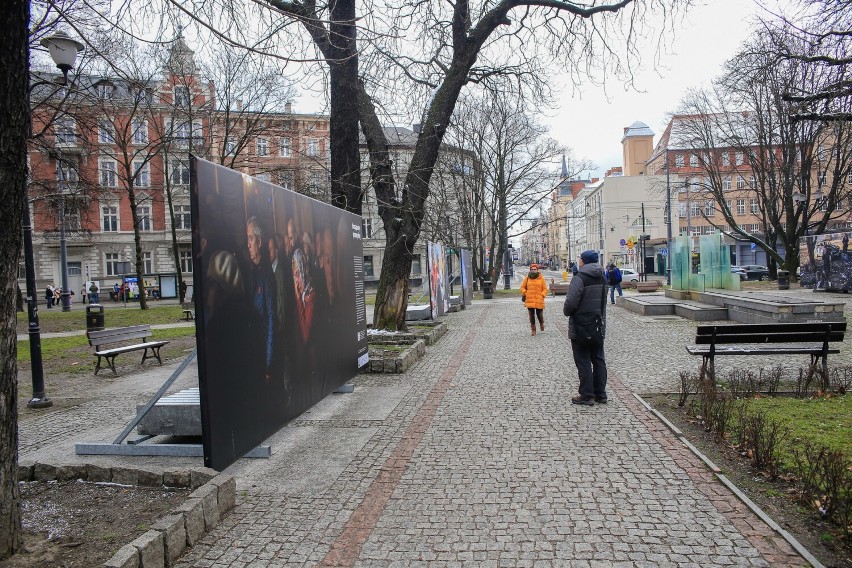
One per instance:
(768,339)
(108,337)
(188,311)
(558,288)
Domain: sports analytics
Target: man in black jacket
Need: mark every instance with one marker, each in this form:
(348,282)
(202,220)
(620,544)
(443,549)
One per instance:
(586,299)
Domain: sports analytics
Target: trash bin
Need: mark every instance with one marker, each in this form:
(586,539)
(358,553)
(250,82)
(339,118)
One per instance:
(487,292)
(783,280)
(94,317)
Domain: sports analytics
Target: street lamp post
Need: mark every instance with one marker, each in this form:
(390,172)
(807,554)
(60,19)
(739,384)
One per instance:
(63,51)
(668,223)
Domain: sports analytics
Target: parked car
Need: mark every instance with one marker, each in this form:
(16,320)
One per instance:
(629,275)
(740,271)
(756,272)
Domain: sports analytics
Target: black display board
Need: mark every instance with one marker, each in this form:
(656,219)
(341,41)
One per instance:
(279,299)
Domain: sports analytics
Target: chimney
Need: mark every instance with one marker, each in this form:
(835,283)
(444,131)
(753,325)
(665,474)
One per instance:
(288,108)
(239,104)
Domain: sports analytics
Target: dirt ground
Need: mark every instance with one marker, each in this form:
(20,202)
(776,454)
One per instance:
(824,540)
(79,524)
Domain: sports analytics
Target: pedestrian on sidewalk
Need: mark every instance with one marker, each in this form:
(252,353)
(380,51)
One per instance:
(533,291)
(585,306)
(613,278)
(48,295)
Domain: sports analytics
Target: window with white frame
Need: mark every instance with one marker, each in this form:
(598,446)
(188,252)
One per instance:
(368,266)
(695,231)
(693,160)
(709,208)
(682,210)
(182,220)
(695,209)
(366,228)
(140,131)
(185,261)
(754,228)
(313,147)
(823,204)
(729,204)
(726,159)
(180,172)
(106,132)
(740,206)
(285,179)
(181,133)
(741,182)
(739,158)
(143,213)
(108,173)
(182,96)
(262,146)
(752,182)
(679,160)
(148,262)
(105,91)
(755,207)
(111,264)
(109,218)
(284,147)
(66,175)
(726,183)
(315,179)
(66,130)
(821,178)
(230,146)
(141,173)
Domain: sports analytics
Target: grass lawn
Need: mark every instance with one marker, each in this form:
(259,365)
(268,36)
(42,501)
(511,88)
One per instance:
(821,421)
(115,315)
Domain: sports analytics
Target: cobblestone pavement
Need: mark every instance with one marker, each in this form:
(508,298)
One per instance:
(477,458)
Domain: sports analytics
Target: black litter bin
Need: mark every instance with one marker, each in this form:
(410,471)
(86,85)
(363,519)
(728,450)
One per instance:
(94,317)
(783,280)
(487,291)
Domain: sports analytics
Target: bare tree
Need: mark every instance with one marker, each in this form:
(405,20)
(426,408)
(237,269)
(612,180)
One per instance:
(14,130)
(749,144)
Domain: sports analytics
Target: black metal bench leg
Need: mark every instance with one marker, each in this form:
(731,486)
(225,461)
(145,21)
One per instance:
(98,366)
(111,361)
(156,351)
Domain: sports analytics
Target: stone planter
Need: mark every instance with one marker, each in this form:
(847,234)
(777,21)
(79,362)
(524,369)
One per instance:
(388,357)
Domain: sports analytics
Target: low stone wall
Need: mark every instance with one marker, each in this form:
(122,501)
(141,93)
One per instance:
(400,363)
(212,497)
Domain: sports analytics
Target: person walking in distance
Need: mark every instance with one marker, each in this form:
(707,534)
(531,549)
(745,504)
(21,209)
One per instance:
(613,278)
(585,306)
(533,291)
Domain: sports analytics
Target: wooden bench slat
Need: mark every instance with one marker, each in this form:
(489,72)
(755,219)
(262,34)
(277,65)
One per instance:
(791,337)
(121,335)
(128,348)
(772,327)
(742,350)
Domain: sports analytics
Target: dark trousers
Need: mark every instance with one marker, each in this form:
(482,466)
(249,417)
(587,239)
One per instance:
(535,313)
(591,366)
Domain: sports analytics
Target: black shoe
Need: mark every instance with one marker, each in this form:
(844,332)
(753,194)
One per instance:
(601,399)
(583,400)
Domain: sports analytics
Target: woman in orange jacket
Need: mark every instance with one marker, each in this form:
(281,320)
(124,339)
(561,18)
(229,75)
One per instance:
(533,291)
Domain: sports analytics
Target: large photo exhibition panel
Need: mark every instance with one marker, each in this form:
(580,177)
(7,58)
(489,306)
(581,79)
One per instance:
(280,316)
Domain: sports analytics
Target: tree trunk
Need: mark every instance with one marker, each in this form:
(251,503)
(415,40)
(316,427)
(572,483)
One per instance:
(137,241)
(392,295)
(14,131)
(175,250)
(346,192)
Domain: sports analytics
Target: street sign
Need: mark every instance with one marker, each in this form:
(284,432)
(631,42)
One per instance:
(664,251)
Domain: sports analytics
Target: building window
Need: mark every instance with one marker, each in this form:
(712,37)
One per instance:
(313,147)
(185,261)
(183,220)
(111,261)
(821,178)
(368,266)
(740,182)
(709,208)
(695,209)
(284,147)
(182,134)
(693,160)
(726,159)
(262,147)
(752,182)
(140,131)
(285,180)
(66,131)
(105,91)
(739,158)
(755,208)
(182,96)
(143,212)
(109,216)
(141,173)
(740,206)
(230,146)
(415,265)
(180,173)
(754,228)
(263,177)
(366,228)
(678,160)
(682,210)
(108,173)
(66,176)
(148,262)
(726,183)
(315,179)
(106,132)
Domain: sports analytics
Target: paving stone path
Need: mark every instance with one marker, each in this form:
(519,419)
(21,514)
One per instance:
(475,457)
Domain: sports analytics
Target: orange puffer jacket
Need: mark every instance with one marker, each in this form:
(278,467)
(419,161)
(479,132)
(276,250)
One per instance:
(535,290)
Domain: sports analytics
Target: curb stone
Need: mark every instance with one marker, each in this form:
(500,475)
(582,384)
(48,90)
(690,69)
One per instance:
(213,496)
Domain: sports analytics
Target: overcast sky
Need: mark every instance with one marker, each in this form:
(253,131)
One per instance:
(593,125)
